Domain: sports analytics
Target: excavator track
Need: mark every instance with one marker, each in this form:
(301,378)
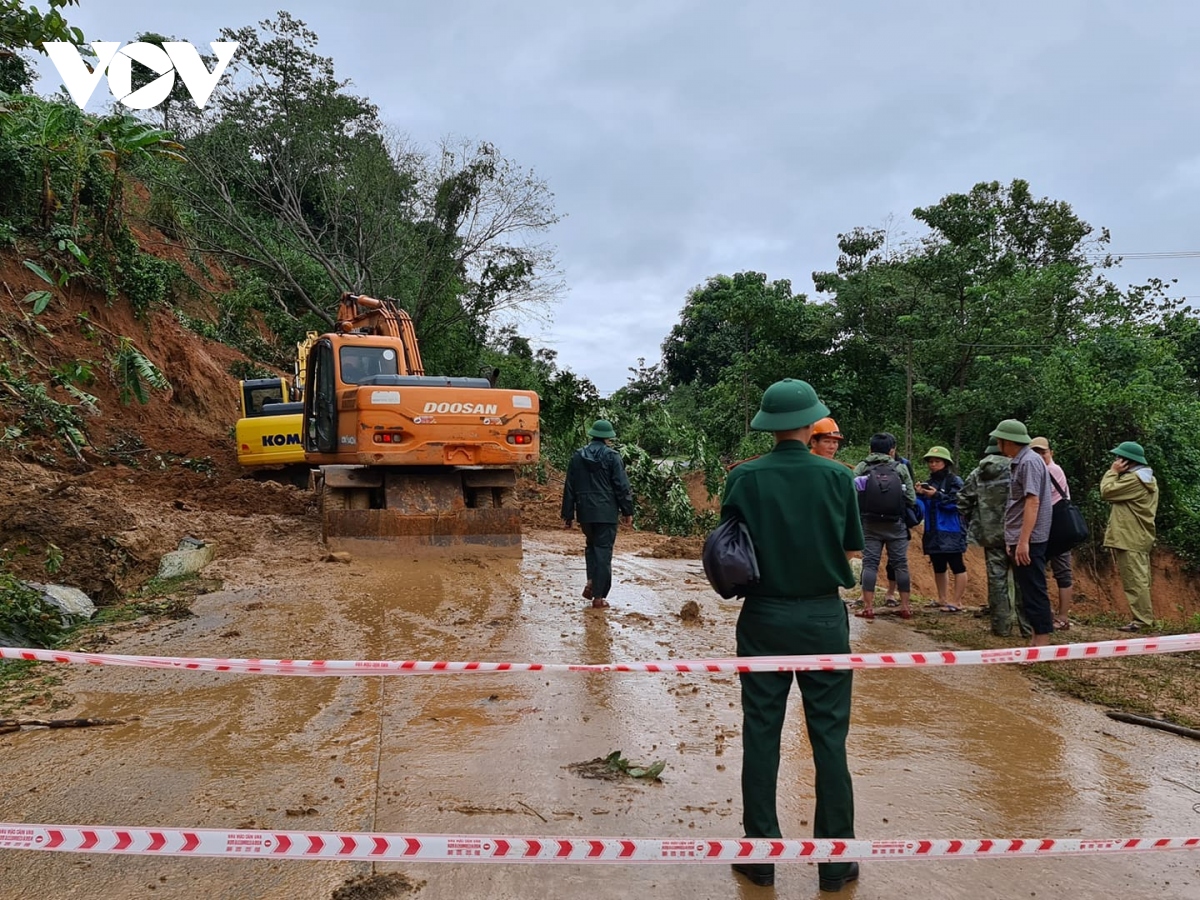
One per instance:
(382,512)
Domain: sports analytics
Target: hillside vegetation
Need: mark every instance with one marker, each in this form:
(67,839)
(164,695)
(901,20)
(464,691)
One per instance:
(148,263)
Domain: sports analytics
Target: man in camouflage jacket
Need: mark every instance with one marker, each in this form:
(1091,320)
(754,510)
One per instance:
(981,503)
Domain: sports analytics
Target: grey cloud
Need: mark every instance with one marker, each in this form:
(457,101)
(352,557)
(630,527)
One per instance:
(688,138)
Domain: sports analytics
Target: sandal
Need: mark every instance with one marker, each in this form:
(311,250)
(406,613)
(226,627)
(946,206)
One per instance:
(951,608)
(587,591)
(1063,624)
(905,614)
(599,603)
(865,614)
(891,601)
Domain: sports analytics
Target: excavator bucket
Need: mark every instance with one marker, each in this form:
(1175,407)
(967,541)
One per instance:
(372,512)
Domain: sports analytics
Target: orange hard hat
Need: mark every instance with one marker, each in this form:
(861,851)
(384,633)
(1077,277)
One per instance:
(826,427)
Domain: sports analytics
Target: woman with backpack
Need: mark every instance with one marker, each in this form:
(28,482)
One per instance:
(945,539)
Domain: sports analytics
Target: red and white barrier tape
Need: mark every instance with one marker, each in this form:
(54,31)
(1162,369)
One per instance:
(1176,643)
(523,849)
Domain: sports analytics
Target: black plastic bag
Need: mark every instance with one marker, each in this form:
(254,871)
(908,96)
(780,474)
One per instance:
(730,563)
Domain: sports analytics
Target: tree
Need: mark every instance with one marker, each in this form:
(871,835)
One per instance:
(877,323)
(179,101)
(999,280)
(295,175)
(127,140)
(735,337)
(21,27)
(16,74)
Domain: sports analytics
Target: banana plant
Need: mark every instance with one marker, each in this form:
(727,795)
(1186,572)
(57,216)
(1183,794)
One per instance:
(124,140)
(58,136)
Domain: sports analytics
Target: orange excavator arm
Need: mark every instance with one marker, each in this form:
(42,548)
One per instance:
(368,315)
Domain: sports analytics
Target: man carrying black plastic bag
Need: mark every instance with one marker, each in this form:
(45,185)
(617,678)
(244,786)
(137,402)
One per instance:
(802,514)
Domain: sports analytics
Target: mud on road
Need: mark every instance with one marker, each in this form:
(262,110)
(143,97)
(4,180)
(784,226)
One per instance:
(941,753)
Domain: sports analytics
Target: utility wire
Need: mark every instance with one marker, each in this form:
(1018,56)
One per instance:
(1150,254)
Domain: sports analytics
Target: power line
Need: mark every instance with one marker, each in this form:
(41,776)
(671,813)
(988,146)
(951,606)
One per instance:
(1150,254)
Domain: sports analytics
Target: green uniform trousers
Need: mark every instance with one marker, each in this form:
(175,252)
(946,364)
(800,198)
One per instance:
(779,626)
(1003,607)
(1134,566)
(601,537)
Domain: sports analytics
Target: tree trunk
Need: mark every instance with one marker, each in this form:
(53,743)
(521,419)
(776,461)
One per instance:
(908,402)
(745,402)
(113,198)
(47,198)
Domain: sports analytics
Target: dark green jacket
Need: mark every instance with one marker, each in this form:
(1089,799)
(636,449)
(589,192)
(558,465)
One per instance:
(597,489)
(802,513)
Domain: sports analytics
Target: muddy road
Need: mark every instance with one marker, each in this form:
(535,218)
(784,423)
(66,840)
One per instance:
(971,752)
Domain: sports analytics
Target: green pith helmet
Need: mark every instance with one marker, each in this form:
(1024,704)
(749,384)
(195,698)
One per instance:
(939,453)
(1130,450)
(602,428)
(787,405)
(1012,430)
(993,449)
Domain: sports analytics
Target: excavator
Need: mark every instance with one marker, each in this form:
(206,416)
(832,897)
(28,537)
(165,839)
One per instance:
(400,459)
(268,432)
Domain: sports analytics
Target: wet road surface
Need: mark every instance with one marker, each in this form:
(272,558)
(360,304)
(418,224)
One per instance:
(940,753)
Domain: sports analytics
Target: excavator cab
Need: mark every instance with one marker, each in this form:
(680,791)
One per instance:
(258,392)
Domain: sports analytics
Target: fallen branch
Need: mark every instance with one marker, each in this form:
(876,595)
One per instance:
(1155,723)
(7,726)
(534,811)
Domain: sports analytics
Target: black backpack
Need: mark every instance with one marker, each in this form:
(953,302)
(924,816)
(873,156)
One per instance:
(883,496)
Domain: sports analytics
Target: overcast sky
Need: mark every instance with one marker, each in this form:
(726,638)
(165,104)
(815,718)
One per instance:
(686,139)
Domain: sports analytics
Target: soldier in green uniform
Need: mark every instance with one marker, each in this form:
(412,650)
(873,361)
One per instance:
(597,492)
(981,503)
(802,514)
(1129,486)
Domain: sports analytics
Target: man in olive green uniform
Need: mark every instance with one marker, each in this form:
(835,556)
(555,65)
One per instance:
(802,514)
(596,493)
(1130,487)
(981,503)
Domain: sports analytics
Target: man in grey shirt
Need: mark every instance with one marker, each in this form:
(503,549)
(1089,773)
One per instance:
(1027,526)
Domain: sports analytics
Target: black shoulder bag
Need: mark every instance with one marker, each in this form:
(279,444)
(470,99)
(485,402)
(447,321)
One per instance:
(1068,529)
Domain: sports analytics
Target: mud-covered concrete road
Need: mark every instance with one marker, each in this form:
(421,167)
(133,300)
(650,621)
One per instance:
(970,752)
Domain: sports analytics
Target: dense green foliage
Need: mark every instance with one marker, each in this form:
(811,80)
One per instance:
(1004,306)
(1002,309)
(22,26)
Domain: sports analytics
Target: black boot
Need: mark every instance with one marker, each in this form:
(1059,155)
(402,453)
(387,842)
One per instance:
(836,884)
(762,874)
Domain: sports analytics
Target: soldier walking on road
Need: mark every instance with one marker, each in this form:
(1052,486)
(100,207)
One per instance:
(1130,487)
(598,494)
(802,514)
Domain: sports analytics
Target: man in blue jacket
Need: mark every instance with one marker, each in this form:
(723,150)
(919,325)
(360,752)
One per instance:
(598,494)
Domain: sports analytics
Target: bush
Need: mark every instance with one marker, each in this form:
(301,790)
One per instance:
(24,616)
(147,281)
